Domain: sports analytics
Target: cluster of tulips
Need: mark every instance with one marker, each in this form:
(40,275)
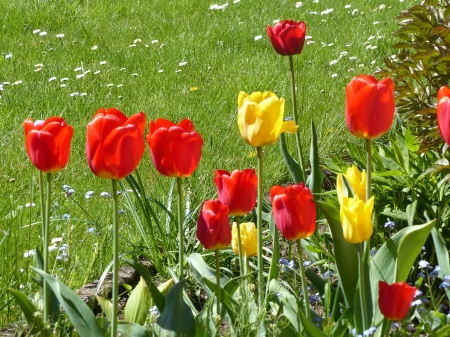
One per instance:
(115,145)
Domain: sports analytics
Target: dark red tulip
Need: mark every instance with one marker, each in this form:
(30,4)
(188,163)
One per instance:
(175,148)
(395,299)
(287,37)
(213,228)
(48,143)
(114,143)
(237,190)
(294,211)
(370,106)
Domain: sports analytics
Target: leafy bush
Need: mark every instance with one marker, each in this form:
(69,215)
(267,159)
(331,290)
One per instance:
(421,67)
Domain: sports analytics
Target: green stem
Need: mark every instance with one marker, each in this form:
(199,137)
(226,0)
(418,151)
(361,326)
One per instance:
(294,110)
(238,227)
(180,228)
(218,281)
(46,244)
(115,285)
(368,169)
(289,250)
(259,225)
(385,328)
(362,290)
(303,277)
(42,195)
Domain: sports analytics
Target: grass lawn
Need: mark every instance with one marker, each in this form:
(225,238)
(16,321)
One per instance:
(170,59)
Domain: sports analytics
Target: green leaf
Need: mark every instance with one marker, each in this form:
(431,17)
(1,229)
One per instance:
(158,298)
(106,306)
(315,179)
(206,325)
(125,328)
(37,325)
(441,252)
(273,272)
(344,252)
(79,313)
(443,332)
(201,271)
(138,304)
(177,318)
(293,167)
(310,327)
(287,302)
(394,259)
(320,284)
(411,210)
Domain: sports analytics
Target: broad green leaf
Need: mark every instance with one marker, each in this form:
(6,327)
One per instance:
(158,298)
(443,332)
(202,271)
(79,313)
(309,327)
(316,177)
(124,328)
(138,304)
(37,325)
(394,259)
(441,252)
(411,210)
(292,165)
(177,318)
(206,325)
(287,302)
(344,252)
(273,271)
(106,306)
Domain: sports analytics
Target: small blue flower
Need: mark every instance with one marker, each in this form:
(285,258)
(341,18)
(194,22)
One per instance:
(277,294)
(389,224)
(69,192)
(121,211)
(328,274)
(317,319)
(307,263)
(105,194)
(66,187)
(91,230)
(423,264)
(373,252)
(64,246)
(422,275)
(395,325)
(314,298)
(89,194)
(435,271)
(154,310)
(66,217)
(447,278)
(423,248)
(370,331)
(291,264)
(59,257)
(416,302)
(444,285)
(418,293)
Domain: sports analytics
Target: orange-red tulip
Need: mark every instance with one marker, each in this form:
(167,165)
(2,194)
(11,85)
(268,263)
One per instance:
(213,228)
(395,299)
(48,143)
(370,106)
(175,148)
(287,37)
(294,211)
(237,190)
(443,113)
(114,143)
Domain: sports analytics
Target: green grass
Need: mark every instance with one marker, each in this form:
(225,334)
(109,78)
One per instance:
(222,58)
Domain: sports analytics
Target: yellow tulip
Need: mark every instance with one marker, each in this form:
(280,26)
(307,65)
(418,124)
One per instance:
(356,219)
(357,181)
(249,239)
(260,118)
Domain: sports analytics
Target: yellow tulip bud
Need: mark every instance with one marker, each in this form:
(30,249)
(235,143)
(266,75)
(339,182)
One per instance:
(356,219)
(357,181)
(260,118)
(249,239)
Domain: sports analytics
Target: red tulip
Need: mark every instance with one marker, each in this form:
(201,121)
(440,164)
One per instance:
(287,37)
(213,229)
(443,113)
(395,299)
(48,143)
(237,190)
(370,106)
(294,211)
(175,148)
(114,143)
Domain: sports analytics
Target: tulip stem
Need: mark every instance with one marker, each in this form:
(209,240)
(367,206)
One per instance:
(303,277)
(238,227)
(259,222)
(115,284)
(218,281)
(294,110)
(46,295)
(385,328)
(362,290)
(368,169)
(180,228)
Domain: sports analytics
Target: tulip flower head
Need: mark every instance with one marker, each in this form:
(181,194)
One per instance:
(294,211)
(357,181)
(237,190)
(249,239)
(114,143)
(356,219)
(370,106)
(395,299)
(287,37)
(175,148)
(260,118)
(213,228)
(48,143)
(443,113)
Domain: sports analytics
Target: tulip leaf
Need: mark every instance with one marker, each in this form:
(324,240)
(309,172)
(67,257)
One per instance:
(273,272)
(79,313)
(309,327)
(37,325)
(344,252)
(315,179)
(394,259)
(124,328)
(292,165)
(177,318)
(202,271)
(287,302)
(206,325)
(157,296)
(106,306)
(441,252)
(138,304)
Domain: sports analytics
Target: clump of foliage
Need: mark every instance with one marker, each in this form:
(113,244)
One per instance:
(421,67)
